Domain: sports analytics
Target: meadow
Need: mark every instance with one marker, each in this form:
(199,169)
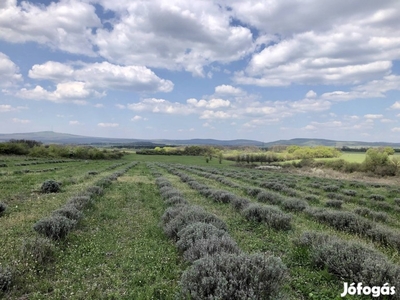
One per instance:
(136,238)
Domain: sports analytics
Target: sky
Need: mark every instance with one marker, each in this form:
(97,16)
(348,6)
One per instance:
(178,69)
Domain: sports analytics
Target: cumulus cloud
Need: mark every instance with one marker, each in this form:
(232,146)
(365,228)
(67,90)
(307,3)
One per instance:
(395,105)
(108,125)
(74,122)
(228,90)
(395,129)
(212,103)
(73,92)
(175,35)
(103,76)
(339,44)
(373,116)
(16,120)
(65,25)
(138,118)
(9,108)
(9,71)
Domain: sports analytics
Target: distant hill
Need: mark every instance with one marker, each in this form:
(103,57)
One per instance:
(49,137)
(330,143)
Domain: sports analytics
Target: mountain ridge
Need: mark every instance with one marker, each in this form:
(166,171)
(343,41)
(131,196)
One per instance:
(49,137)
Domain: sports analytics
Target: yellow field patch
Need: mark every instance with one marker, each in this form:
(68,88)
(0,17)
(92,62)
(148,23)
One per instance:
(138,178)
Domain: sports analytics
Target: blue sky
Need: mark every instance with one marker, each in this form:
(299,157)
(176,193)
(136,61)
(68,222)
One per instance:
(263,70)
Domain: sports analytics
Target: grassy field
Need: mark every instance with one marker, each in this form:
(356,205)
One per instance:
(120,250)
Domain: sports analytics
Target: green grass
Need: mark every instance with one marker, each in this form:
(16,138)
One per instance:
(119,250)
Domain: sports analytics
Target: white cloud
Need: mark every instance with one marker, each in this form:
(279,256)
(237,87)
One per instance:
(228,90)
(73,92)
(373,116)
(175,35)
(395,105)
(102,76)
(138,118)
(65,25)
(9,108)
(108,124)
(9,71)
(74,122)
(387,121)
(213,103)
(98,105)
(210,114)
(395,129)
(16,120)
(120,106)
(311,94)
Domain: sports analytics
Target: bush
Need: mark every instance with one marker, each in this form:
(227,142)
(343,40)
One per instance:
(312,198)
(80,202)
(5,279)
(377,197)
(230,276)
(189,215)
(50,186)
(240,203)
(397,201)
(330,188)
(341,220)
(172,212)
(385,236)
(3,208)
(292,204)
(375,216)
(175,200)
(40,250)
(104,183)
(269,198)
(222,196)
(196,231)
(95,190)
(334,203)
(69,211)
(211,246)
(348,260)
(55,227)
(272,216)
(351,193)
(92,172)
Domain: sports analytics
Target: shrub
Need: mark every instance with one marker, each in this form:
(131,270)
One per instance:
(162,182)
(104,183)
(230,276)
(196,231)
(376,216)
(5,278)
(292,204)
(348,260)
(80,202)
(335,196)
(55,227)
(3,208)
(253,191)
(50,186)
(273,216)
(397,201)
(377,197)
(170,192)
(222,196)
(211,246)
(269,198)
(95,190)
(341,220)
(240,203)
(69,211)
(312,198)
(92,172)
(330,188)
(334,203)
(189,215)
(351,193)
(385,236)
(175,200)
(40,250)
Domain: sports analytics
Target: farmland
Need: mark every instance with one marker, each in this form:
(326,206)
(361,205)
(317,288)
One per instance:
(316,232)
